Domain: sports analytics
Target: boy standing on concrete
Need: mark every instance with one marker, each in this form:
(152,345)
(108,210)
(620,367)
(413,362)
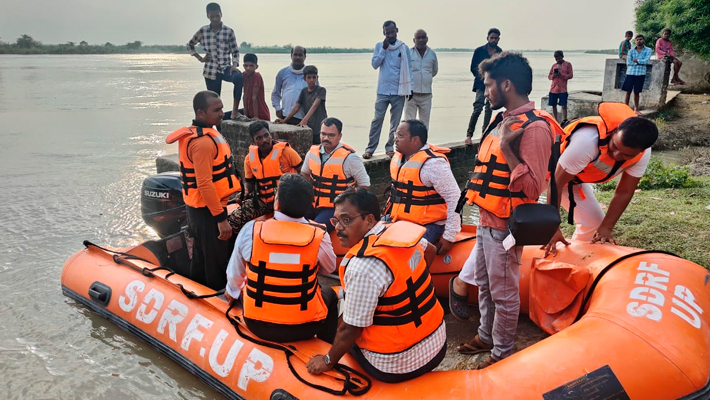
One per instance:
(254,101)
(636,62)
(222,58)
(560,73)
(312,98)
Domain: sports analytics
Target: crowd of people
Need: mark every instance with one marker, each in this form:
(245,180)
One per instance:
(391,321)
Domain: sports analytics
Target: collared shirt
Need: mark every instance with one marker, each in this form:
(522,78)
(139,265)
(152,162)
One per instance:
(436,172)
(530,176)
(424,69)
(221,45)
(480,54)
(664,46)
(559,82)
(286,91)
(366,280)
(390,63)
(643,56)
(236,270)
(352,167)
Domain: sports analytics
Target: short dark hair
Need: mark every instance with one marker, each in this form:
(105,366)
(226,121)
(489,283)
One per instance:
(638,133)
(295,195)
(304,50)
(213,7)
(199,102)
(251,57)
(559,53)
(388,23)
(257,126)
(330,121)
(511,66)
(310,70)
(640,36)
(418,129)
(493,30)
(629,33)
(363,200)
(666,30)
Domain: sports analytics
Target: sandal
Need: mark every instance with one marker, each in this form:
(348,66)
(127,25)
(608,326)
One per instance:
(487,362)
(367,155)
(457,304)
(474,346)
(240,117)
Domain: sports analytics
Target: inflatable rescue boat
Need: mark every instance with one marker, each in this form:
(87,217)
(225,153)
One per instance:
(625,324)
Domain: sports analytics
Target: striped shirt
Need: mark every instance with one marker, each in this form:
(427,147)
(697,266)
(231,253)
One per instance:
(643,56)
(367,279)
(221,45)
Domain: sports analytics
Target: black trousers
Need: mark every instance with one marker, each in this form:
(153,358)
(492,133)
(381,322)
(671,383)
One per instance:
(324,330)
(210,255)
(396,378)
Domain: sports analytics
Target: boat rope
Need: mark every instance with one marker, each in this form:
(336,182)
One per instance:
(606,269)
(354,382)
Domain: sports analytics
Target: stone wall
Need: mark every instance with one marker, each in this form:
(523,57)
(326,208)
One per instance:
(579,104)
(695,72)
(655,87)
(237,135)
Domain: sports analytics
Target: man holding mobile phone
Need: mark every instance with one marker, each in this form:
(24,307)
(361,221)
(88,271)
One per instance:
(560,73)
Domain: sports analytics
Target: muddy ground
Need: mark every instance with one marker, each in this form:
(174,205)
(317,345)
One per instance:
(685,127)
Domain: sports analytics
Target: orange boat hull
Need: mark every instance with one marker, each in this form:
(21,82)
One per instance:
(644,332)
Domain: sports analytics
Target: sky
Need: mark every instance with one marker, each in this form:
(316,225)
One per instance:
(524,24)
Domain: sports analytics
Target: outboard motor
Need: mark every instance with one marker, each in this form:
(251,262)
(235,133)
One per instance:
(162,206)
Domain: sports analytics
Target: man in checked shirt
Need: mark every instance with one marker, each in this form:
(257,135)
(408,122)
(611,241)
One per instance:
(222,58)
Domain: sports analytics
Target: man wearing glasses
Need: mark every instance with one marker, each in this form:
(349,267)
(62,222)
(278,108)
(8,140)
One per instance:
(267,268)
(332,167)
(392,324)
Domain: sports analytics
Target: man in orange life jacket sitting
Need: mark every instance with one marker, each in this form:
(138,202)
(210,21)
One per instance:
(263,166)
(274,269)
(596,150)
(332,167)
(510,170)
(424,190)
(208,180)
(392,323)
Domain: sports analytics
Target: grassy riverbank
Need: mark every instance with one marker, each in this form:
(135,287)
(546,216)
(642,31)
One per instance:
(674,220)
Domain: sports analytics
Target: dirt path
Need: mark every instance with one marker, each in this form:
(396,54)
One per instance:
(685,126)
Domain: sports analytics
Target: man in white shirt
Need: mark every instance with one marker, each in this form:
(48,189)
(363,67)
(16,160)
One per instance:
(425,66)
(288,86)
(597,150)
(279,262)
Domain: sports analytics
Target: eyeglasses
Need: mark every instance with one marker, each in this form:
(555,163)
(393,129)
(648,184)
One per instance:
(346,221)
(329,135)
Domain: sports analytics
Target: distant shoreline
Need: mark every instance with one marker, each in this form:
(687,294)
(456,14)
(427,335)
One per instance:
(138,48)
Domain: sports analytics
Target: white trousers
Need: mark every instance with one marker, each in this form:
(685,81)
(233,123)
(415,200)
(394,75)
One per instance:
(419,102)
(588,214)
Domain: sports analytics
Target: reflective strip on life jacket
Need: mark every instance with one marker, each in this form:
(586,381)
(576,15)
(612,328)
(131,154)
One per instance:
(408,312)
(327,174)
(410,199)
(224,174)
(267,171)
(488,186)
(282,285)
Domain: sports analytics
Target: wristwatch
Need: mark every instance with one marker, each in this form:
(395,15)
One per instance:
(326,359)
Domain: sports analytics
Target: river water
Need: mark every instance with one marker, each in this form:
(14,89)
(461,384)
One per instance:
(79,134)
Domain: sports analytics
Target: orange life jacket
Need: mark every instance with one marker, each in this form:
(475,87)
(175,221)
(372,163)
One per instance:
(224,175)
(410,199)
(604,168)
(408,312)
(267,171)
(282,286)
(488,186)
(327,174)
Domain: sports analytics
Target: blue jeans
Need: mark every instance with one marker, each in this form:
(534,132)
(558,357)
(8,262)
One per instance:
(433,232)
(236,78)
(323,216)
(396,104)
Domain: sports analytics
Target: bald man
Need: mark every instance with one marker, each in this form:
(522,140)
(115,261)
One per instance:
(425,66)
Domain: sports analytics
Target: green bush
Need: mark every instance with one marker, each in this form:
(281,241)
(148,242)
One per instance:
(689,21)
(661,175)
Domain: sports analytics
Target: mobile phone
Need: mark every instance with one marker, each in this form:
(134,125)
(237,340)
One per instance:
(557,70)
